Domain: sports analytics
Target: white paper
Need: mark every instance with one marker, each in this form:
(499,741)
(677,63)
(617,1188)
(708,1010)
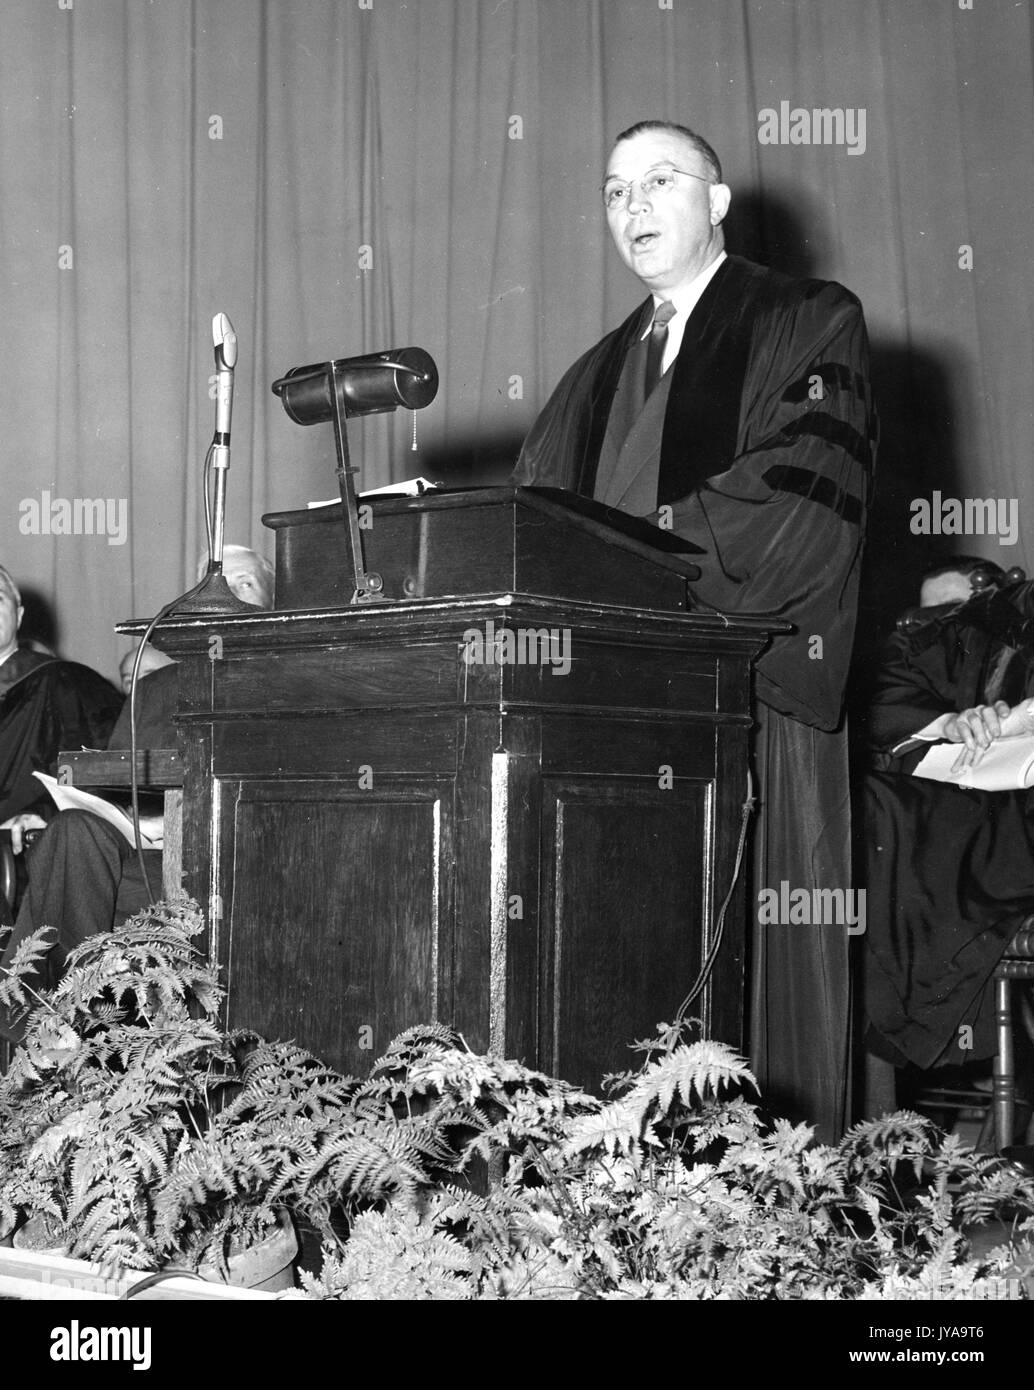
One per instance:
(412,487)
(1008,765)
(69,798)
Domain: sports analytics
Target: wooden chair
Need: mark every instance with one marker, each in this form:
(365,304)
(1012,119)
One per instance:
(1001,608)
(8,873)
(1016,964)
(8,884)
(997,1106)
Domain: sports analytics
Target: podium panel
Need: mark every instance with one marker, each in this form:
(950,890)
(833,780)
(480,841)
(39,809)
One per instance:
(608,971)
(382,968)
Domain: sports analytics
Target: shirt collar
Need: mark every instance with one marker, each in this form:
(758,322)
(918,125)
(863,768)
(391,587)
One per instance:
(685,298)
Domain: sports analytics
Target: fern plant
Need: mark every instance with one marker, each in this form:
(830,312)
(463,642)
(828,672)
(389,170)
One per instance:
(144,1132)
(671,1188)
(149,1135)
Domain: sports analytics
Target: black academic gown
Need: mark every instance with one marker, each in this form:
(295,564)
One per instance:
(765,463)
(45,705)
(83,875)
(950,871)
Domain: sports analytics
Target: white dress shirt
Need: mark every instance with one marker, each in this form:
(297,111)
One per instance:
(685,301)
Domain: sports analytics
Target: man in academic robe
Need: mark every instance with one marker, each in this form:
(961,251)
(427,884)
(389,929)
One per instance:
(950,869)
(733,407)
(84,876)
(45,705)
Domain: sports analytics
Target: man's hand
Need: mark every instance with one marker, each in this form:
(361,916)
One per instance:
(152,831)
(980,726)
(18,825)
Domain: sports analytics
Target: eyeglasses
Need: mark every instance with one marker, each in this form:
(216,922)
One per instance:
(616,194)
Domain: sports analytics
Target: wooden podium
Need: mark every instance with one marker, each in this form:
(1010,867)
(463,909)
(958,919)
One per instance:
(395,812)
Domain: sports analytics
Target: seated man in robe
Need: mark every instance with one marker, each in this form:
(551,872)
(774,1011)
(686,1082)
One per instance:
(250,576)
(84,875)
(46,704)
(152,660)
(950,868)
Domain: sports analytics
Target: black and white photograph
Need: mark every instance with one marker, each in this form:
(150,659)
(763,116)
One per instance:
(517,664)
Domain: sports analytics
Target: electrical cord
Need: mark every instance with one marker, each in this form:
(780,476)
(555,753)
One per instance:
(160,1278)
(206,474)
(163,613)
(709,961)
(134,778)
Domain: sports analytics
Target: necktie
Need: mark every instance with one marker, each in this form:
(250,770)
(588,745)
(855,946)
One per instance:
(658,338)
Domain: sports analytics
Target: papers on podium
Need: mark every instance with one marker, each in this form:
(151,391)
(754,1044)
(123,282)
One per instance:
(412,487)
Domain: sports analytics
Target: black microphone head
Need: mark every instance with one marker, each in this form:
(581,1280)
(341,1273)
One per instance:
(416,377)
(372,384)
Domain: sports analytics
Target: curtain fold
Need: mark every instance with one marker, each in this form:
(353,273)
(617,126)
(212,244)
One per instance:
(341,179)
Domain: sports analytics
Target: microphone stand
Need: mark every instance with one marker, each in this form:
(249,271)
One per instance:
(213,597)
(334,391)
(368,584)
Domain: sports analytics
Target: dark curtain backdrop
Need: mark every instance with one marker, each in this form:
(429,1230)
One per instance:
(163,160)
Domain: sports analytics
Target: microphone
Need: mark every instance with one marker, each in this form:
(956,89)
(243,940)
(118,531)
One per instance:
(370,385)
(213,596)
(337,391)
(225,340)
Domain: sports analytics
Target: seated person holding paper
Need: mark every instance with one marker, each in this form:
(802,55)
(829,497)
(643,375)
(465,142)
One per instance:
(950,868)
(84,874)
(46,704)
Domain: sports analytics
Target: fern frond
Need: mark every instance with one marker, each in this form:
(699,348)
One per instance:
(413,1042)
(693,1071)
(900,1136)
(370,1164)
(28,956)
(618,1129)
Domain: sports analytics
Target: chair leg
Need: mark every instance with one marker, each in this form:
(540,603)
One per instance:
(1004,1066)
